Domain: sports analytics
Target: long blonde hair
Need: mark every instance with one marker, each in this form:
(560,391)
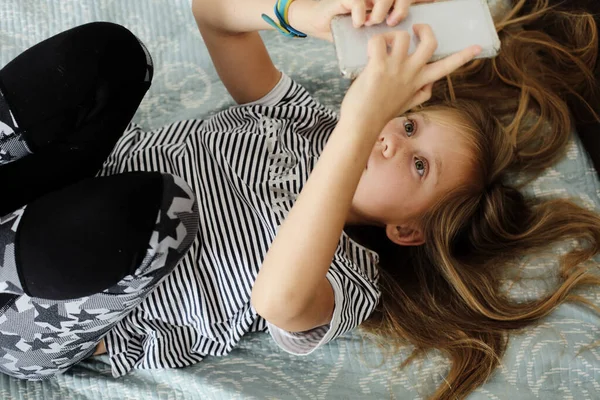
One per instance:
(446,294)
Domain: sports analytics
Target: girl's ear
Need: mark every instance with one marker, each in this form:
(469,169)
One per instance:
(405,235)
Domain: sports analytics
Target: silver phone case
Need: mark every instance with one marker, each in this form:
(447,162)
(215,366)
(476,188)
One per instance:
(342,28)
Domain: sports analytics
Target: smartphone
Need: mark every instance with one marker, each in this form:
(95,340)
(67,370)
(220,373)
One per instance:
(457,24)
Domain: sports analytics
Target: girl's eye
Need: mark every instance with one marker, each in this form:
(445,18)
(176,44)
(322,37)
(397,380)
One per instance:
(421,166)
(410,127)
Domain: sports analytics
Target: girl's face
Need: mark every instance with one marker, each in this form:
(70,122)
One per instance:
(414,162)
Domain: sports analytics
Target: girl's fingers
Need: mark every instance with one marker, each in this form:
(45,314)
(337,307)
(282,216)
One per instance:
(446,66)
(423,95)
(399,12)
(359,12)
(381,8)
(400,45)
(377,47)
(427,44)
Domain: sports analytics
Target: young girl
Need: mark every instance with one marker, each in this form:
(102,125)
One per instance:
(275,214)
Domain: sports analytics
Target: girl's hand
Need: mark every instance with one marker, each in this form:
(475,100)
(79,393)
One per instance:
(314,17)
(393,82)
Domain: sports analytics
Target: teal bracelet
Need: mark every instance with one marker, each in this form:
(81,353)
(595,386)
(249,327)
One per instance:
(281,12)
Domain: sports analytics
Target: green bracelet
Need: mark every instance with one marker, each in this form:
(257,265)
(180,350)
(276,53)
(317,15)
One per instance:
(281,12)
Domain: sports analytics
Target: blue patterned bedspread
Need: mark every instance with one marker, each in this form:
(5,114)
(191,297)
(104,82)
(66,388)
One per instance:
(548,361)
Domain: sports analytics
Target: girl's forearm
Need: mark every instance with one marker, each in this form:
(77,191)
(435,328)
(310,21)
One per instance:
(300,256)
(243,16)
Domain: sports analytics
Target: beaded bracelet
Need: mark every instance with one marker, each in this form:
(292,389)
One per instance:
(281,12)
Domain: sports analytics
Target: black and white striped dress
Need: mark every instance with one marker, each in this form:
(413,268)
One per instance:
(246,166)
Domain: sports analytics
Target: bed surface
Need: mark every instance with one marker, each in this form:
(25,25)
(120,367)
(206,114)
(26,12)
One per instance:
(548,361)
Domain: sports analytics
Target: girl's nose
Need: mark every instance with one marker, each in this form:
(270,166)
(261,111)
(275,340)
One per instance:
(389,145)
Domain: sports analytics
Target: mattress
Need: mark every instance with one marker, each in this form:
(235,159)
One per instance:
(548,361)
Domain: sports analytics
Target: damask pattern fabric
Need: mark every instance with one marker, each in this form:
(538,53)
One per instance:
(549,361)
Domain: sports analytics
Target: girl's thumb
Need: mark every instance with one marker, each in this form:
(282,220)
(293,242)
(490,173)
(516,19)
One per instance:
(422,95)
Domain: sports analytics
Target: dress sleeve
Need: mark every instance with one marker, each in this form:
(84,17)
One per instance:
(286,92)
(356,295)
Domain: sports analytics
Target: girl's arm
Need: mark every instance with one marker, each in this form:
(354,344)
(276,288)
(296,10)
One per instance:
(291,290)
(229,29)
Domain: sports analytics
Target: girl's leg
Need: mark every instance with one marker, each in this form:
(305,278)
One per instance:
(67,100)
(77,260)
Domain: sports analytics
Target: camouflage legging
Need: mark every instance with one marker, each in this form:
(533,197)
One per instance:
(41,337)
(77,252)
